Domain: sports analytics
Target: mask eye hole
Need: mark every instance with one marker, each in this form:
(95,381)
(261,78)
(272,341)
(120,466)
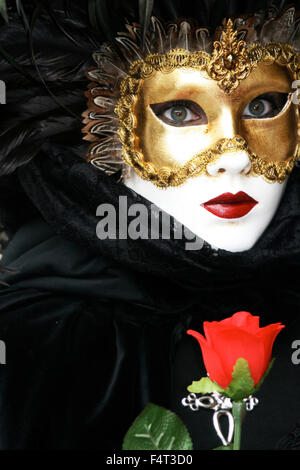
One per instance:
(265,106)
(180,113)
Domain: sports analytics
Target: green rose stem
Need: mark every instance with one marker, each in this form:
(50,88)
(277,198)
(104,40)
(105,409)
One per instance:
(238,412)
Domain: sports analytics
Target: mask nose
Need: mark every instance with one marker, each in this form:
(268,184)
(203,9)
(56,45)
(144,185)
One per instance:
(232,163)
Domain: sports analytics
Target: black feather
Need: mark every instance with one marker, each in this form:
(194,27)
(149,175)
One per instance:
(99,18)
(22,14)
(3,10)
(145,11)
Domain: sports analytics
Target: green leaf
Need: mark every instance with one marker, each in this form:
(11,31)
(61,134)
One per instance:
(3,10)
(157,428)
(265,375)
(242,384)
(204,385)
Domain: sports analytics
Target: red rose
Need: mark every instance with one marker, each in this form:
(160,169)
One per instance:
(235,337)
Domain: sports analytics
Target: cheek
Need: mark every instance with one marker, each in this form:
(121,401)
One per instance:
(176,145)
(165,145)
(268,195)
(275,139)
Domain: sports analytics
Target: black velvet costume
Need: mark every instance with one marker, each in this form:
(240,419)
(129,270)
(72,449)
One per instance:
(95,329)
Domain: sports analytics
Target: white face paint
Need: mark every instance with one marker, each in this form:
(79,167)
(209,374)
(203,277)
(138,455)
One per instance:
(228,174)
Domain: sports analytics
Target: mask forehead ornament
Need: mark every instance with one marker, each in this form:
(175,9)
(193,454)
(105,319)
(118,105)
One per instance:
(230,61)
(229,64)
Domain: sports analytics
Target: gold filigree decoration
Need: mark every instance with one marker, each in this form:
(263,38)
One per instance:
(165,176)
(229,63)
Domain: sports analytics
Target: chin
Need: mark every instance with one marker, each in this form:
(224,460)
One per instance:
(233,238)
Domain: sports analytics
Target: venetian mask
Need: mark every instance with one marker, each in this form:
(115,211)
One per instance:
(212,138)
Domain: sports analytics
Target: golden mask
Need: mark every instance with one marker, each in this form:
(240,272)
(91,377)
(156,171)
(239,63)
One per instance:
(179,111)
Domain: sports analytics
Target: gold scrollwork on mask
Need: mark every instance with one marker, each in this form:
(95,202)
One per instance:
(165,176)
(229,62)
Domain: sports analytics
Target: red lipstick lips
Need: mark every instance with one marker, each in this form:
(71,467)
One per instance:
(230,206)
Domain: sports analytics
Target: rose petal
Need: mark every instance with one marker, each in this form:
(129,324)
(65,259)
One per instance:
(211,361)
(243,320)
(268,335)
(233,343)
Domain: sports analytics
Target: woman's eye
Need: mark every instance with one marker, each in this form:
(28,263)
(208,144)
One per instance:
(265,106)
(258,108)
(180,114)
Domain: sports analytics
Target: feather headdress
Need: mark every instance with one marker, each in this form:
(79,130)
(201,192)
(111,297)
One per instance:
(112,65)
